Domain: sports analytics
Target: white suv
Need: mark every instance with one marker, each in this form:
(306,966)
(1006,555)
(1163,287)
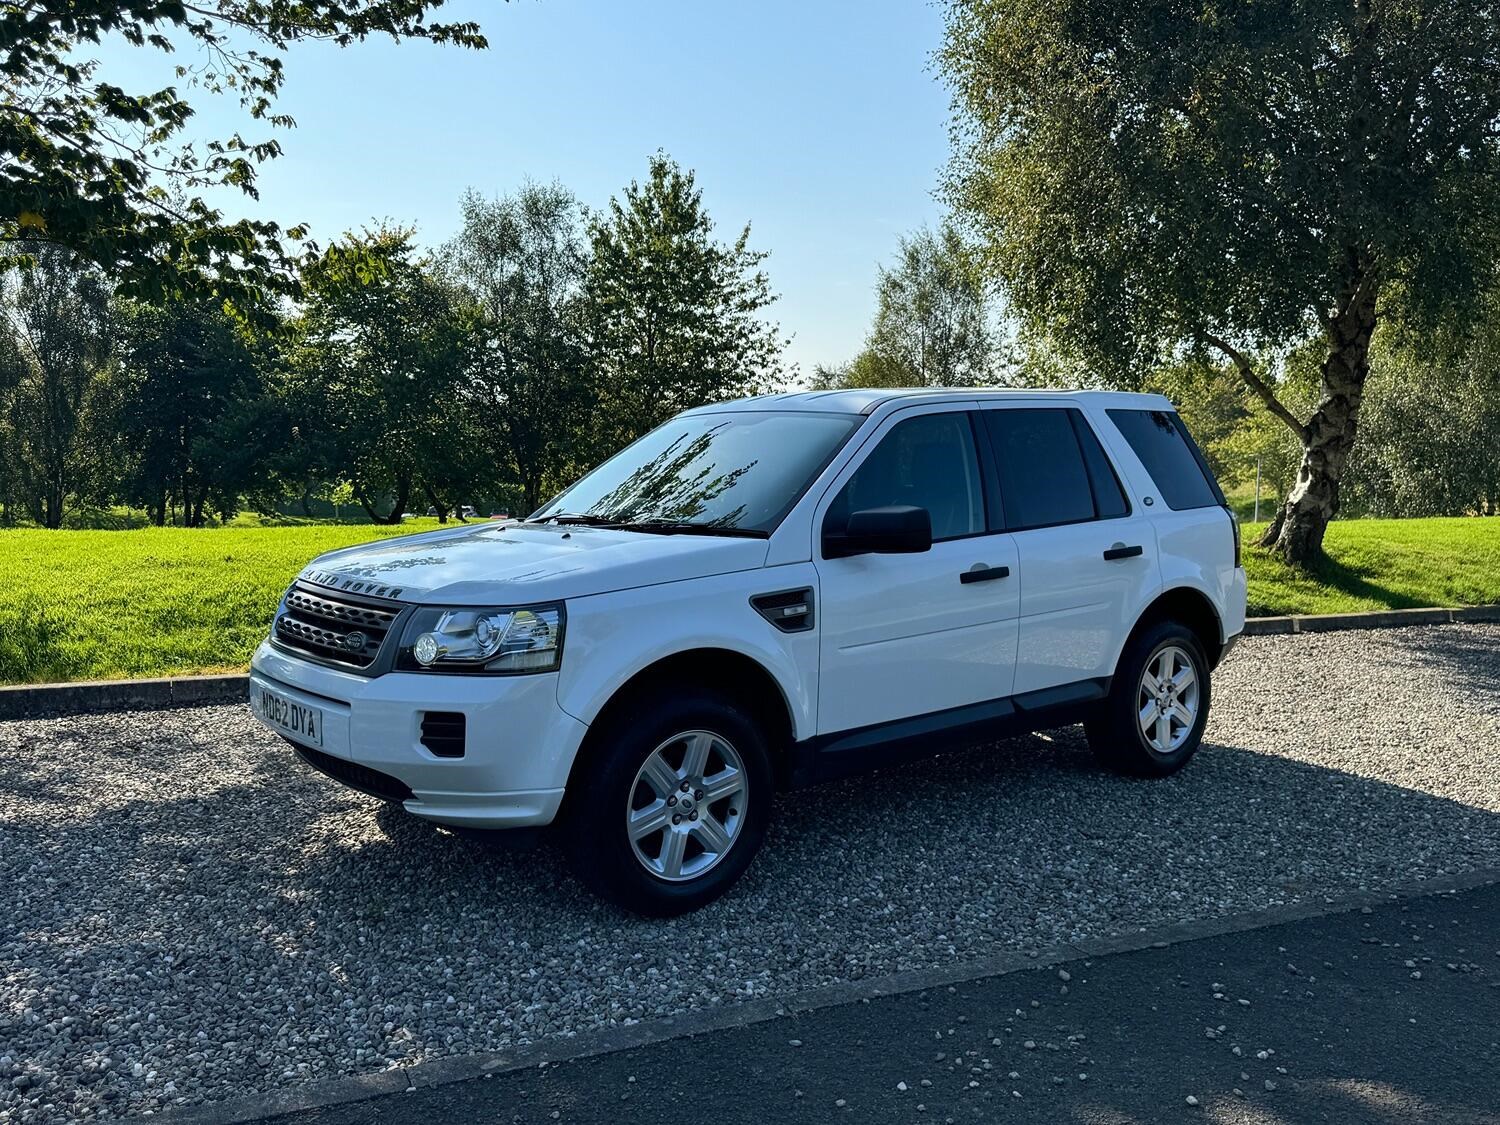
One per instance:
(763,594)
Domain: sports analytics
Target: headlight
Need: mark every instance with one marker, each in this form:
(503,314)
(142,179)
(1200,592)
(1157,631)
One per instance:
(483,640)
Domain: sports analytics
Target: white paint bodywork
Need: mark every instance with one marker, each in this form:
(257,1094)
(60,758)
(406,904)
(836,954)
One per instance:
(895,636)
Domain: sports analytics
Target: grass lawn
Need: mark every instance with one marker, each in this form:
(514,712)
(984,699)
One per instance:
(1382,564)
(78,605)
(86,605)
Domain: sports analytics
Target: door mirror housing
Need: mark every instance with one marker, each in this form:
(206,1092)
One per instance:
(899,529)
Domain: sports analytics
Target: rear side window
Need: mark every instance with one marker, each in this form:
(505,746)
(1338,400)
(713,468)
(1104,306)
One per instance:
(1164,446)
(1043,478)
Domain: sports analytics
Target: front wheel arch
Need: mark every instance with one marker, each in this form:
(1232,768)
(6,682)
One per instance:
(719,670)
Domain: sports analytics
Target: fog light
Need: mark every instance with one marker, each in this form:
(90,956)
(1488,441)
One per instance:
(427,649)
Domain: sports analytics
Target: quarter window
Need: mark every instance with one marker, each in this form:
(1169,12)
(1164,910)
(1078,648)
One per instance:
(926,462)
(1162,443)
(1044,477)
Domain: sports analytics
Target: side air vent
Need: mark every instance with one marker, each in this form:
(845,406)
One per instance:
(791,611)
(443,733)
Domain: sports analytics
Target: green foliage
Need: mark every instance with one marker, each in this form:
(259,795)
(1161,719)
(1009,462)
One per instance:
(55,339)
(1228,422)
(1150,179)
(934,322)
(377,365)
(106,173)
(191,418)
(521,262)
(1430,425)
(1145,172)
(868,369)
(674,314)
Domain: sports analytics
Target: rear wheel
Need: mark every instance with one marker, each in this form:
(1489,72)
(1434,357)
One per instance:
(1153,720)
(671,805)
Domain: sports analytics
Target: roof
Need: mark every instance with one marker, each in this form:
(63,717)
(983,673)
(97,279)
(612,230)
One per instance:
(866,400)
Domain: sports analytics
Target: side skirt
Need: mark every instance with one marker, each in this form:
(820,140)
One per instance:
(826,757)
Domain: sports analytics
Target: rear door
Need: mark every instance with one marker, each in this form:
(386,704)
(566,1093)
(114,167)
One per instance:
(911,634)
(1088,560)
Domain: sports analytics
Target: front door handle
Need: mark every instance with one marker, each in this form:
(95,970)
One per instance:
(1120,551)
(982,573)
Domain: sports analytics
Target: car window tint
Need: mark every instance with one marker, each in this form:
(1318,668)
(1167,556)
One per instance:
(1109,497)
(1042,474)
(1161,442)
(927,462)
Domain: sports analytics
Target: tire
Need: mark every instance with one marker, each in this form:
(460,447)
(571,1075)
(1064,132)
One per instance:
(676,868)
(1117,734)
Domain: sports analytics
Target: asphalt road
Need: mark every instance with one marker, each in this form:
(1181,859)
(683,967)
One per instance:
(1380,1017)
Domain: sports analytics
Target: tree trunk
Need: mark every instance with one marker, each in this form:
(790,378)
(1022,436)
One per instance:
(432,498)
(1296,532)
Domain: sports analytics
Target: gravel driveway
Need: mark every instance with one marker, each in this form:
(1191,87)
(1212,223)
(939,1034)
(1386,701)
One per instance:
(191,914)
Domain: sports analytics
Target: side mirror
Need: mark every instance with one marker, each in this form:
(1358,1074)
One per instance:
(896,530)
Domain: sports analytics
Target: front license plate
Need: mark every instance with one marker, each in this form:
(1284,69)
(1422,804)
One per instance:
(295,720)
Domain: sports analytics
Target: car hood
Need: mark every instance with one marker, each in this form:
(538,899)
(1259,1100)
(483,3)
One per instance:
(517,563)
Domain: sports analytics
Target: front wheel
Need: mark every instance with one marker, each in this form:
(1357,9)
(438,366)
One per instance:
(671,804)
(1153,720)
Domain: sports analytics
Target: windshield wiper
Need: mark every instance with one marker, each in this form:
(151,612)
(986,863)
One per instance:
(668,527)
(579,518)
(653,527)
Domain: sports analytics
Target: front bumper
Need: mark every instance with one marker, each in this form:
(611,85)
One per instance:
(518,749)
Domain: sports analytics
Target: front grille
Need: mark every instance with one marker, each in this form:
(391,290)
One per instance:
(355,776)
(443,733)
(335,627)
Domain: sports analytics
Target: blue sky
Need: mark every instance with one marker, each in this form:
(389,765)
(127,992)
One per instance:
(822,124)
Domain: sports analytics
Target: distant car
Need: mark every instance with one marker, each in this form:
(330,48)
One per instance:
(500,514)
(468,512)
(762,594)
(432,512)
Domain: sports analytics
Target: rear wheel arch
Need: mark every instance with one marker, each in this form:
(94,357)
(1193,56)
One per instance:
(1190,607)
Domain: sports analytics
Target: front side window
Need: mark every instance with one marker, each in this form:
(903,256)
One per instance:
(737,471)
(925,462)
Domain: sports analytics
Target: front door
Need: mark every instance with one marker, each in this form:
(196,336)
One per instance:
(910,634)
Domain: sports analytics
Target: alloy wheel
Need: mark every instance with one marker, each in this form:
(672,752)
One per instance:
(1167,703)
(686,806)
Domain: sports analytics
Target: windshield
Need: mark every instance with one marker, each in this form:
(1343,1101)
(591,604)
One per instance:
(734,471)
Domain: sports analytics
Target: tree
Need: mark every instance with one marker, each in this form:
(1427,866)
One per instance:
(934,322)
(376,374)
(104,172)
(1430,428)
(1151,178)
(869,368)
(674,315)
(522,260)
(54,343)
(932,316)
(190,408)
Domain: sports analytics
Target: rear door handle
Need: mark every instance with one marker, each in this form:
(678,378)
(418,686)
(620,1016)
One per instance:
(982,573)
(1120,551)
